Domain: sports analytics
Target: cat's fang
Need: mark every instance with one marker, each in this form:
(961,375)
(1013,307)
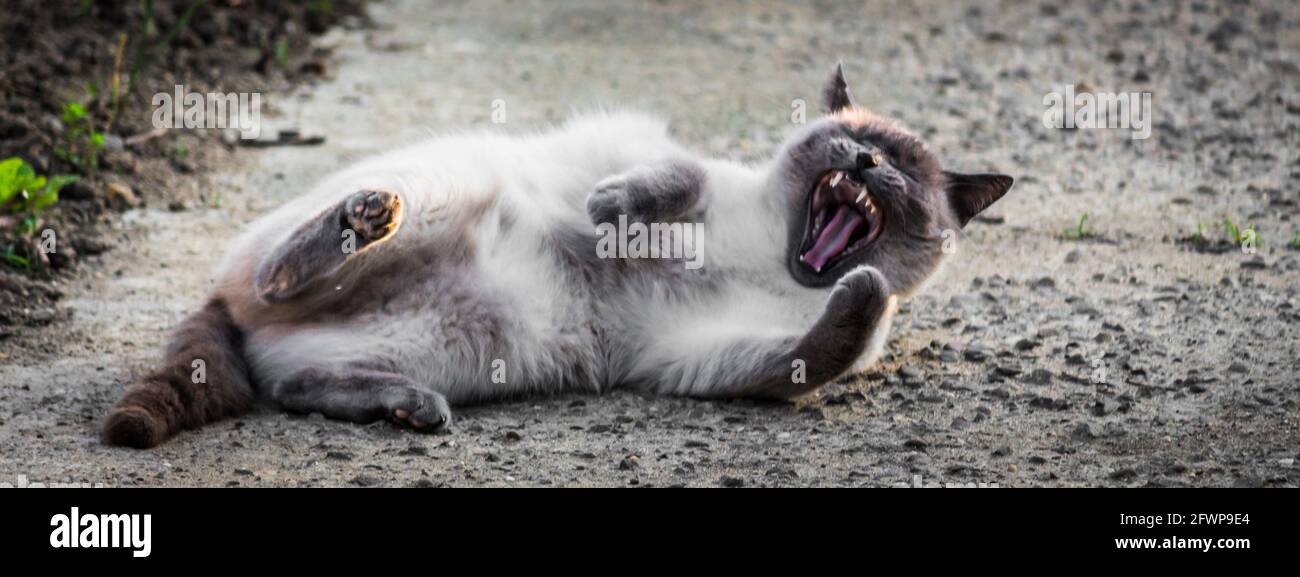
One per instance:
(835,180)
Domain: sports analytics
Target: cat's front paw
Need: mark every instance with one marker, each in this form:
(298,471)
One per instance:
(860,294)
(608,200)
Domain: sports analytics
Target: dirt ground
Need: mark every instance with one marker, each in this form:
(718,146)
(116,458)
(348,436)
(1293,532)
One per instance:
(1132,356)
(108,59)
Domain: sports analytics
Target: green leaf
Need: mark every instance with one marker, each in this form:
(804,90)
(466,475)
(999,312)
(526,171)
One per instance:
(15,260)
(17,177)
(9,184)
(26,172)
(50,194)
(72,112)
(1076,232)
(9,170)
(42,199)
(1232,230)
(33,192)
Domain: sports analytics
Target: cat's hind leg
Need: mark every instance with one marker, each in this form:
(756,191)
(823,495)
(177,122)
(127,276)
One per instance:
(363,396)
(320,247)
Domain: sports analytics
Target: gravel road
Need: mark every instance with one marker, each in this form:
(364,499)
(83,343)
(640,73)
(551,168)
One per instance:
(1131,356)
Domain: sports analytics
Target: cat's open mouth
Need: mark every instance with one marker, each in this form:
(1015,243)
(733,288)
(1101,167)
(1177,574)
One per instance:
(843,217)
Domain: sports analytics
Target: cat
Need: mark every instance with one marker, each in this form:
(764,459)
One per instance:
(467,268)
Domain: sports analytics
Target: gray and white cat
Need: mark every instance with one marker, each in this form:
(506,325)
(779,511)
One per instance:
(468,268)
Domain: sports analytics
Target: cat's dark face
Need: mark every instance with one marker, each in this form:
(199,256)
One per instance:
(862,191)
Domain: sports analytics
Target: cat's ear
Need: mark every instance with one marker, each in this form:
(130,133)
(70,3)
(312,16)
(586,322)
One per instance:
(835,96)
(970,194)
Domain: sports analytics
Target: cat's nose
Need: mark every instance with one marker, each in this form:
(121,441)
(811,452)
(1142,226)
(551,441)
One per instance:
(868,159)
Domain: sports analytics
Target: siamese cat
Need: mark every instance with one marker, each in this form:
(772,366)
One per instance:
(479,266)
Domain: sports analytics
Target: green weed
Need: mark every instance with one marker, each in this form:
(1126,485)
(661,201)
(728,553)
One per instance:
(1078,232)
(24,194)
(81,142)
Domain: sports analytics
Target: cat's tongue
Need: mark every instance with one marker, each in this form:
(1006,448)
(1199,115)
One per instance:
(834,238)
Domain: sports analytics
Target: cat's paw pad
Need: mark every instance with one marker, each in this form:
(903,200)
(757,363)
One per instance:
(372,214)
(419,410)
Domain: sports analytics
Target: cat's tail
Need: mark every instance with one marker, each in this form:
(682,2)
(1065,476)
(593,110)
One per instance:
(203,378)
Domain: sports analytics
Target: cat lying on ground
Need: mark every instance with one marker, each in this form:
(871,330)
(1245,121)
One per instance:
(478,266)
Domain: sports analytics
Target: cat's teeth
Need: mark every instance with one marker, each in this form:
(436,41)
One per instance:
(861,195)
(835,180)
